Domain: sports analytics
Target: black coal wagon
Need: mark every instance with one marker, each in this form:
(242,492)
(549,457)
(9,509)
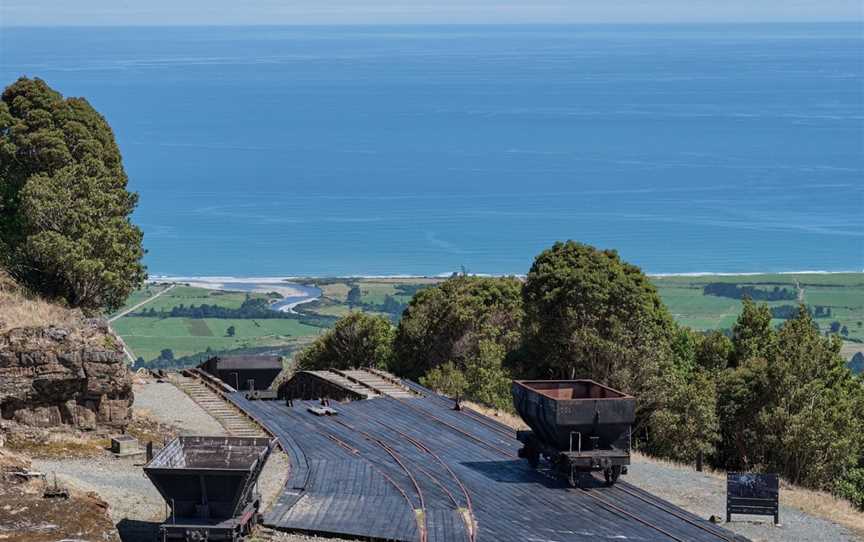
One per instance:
(578,425)
(209,484)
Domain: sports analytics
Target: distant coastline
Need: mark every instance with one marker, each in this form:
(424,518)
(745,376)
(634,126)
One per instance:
(211,281)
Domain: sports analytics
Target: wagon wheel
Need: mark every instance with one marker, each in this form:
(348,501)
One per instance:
(533,456)
(612,474)
(574,478)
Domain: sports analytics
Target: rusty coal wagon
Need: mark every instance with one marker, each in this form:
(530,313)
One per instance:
(209,484)
(578,425)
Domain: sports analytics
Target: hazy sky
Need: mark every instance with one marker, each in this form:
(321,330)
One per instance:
(160,12)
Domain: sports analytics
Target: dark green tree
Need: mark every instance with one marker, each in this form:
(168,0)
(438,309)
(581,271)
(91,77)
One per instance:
(167,354)
(231,331)
(65,229)
(355,296)
(590,315)
(357,340)
(813,429)
(752,335)
(448,322)
(795,410)
(742,393)
(714,351)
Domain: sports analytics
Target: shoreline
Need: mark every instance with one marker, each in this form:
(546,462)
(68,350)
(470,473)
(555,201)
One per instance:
(213,280)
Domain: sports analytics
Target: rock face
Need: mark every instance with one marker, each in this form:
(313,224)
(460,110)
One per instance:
(52,376)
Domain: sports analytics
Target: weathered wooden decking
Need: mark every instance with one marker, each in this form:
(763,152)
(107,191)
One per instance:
(414,469)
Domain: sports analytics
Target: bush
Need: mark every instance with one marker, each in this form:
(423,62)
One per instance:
(448,379)
(449,321)
(481,379)
(685,421)
(851,487)
(357,340)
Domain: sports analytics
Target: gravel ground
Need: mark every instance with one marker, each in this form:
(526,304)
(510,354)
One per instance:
(136,506)
(171,406)
(705,495)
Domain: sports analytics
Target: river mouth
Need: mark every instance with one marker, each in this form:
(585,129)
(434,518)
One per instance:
(293,293)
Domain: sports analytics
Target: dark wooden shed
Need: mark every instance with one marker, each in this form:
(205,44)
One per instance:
(238,371)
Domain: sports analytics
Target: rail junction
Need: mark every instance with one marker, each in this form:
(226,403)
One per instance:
(402,464)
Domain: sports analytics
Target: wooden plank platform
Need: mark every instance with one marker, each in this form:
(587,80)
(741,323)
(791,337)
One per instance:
(414,469)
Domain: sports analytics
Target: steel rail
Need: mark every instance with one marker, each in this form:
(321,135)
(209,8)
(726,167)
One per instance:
(475,415)
(624,513)
(441,486)
(454,428)
(608,504)
(624,488)
(470,523)
(355,451)
(421,526)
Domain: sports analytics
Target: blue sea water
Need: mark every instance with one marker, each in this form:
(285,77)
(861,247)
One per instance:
(417,150)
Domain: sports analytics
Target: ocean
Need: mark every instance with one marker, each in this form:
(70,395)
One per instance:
(420,150)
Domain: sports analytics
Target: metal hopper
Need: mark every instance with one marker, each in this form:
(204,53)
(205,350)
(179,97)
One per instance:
(209,485)
(578,424)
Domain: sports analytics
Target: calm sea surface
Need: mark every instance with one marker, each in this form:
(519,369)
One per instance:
(417,150)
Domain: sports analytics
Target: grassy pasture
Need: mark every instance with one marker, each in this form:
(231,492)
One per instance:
(843,292)
(684,296)
(148,336)
(188,295)
(140,295)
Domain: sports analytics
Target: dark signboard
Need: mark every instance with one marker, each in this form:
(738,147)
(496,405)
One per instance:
(750,493)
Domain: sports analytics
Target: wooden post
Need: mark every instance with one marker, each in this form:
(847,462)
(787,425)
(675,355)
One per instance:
(149,450)
(699,461)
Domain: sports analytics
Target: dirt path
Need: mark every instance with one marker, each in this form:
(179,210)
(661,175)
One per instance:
(139,305)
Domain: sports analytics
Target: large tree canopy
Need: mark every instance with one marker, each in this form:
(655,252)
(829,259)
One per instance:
(450,322)
(64,208)
(588,314)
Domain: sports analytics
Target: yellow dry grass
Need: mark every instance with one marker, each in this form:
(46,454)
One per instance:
(18,308)
(58,445)
(823,505)
(510,420)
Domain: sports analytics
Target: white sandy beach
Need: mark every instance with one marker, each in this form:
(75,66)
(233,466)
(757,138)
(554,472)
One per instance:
(250,284)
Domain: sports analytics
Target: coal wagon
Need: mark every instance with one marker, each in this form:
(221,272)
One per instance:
(578,425)
(209,485)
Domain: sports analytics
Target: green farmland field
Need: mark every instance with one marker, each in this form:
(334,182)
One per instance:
(684,295)
(842,292)
(146,337)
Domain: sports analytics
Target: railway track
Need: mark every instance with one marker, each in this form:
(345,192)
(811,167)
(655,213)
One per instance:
(235,422)
(620,487)
(469,520)
(402,441)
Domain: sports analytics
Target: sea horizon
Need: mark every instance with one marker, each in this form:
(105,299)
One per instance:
(410,149)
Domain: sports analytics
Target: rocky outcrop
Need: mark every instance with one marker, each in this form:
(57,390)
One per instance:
(53,376)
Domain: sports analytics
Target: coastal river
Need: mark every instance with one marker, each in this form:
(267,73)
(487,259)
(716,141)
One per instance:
(292,293)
